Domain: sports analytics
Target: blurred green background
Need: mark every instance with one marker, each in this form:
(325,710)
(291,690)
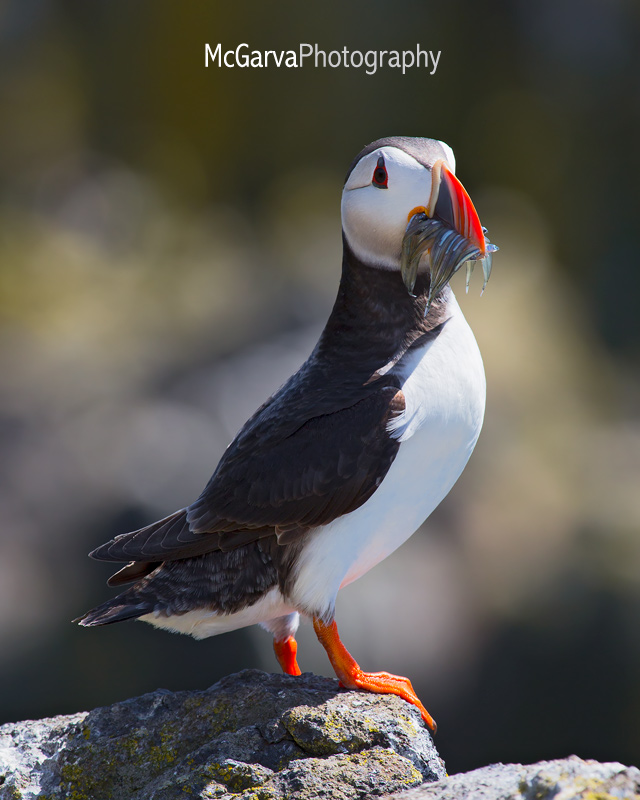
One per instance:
(169,250)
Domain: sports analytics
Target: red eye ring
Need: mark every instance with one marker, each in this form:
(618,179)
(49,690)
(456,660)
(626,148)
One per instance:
(380,178)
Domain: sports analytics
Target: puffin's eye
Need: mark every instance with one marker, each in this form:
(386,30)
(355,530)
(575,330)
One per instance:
(380,177)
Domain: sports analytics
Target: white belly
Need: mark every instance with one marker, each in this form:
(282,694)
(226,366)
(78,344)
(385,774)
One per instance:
(444,389)
(202,623)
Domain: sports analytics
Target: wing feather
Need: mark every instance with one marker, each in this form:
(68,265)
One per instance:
(280,477)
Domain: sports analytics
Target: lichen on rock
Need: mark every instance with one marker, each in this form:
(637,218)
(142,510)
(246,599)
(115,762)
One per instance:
(564,779)
(251,735)
(255,736)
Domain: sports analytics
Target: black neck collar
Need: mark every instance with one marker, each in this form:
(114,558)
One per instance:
(375,320)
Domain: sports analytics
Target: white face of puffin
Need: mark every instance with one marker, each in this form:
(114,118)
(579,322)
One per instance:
(401,213)
(378,199)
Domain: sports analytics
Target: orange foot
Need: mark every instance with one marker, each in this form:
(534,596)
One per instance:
(286,654)
(352,677)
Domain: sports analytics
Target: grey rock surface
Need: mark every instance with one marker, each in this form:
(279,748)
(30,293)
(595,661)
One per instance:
(266,737)
(252,735)
(565,779)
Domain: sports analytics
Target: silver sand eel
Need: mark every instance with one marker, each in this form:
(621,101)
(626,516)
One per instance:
(447,251)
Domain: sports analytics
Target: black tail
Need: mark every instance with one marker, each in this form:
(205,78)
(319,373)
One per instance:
(124,606)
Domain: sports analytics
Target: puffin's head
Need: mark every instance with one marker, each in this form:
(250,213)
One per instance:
(401,199)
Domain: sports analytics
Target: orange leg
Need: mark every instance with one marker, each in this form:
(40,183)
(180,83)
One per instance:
(352,677)
(286,654)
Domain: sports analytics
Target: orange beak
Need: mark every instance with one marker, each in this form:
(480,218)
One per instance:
(432,230)
(450,203)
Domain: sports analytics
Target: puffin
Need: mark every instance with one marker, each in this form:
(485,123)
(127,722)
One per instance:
(351,455)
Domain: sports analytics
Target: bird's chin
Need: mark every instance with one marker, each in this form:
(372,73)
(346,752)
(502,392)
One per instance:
(445,250)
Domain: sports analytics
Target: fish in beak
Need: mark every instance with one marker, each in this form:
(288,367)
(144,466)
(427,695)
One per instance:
(448,231)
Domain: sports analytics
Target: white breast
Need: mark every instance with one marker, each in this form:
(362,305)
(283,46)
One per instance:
(444,389)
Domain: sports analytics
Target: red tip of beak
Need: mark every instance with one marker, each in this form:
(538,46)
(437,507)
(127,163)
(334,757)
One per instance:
(453,206)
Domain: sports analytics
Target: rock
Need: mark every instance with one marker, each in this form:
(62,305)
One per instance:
(566,779)
(251,735)
(267,737)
